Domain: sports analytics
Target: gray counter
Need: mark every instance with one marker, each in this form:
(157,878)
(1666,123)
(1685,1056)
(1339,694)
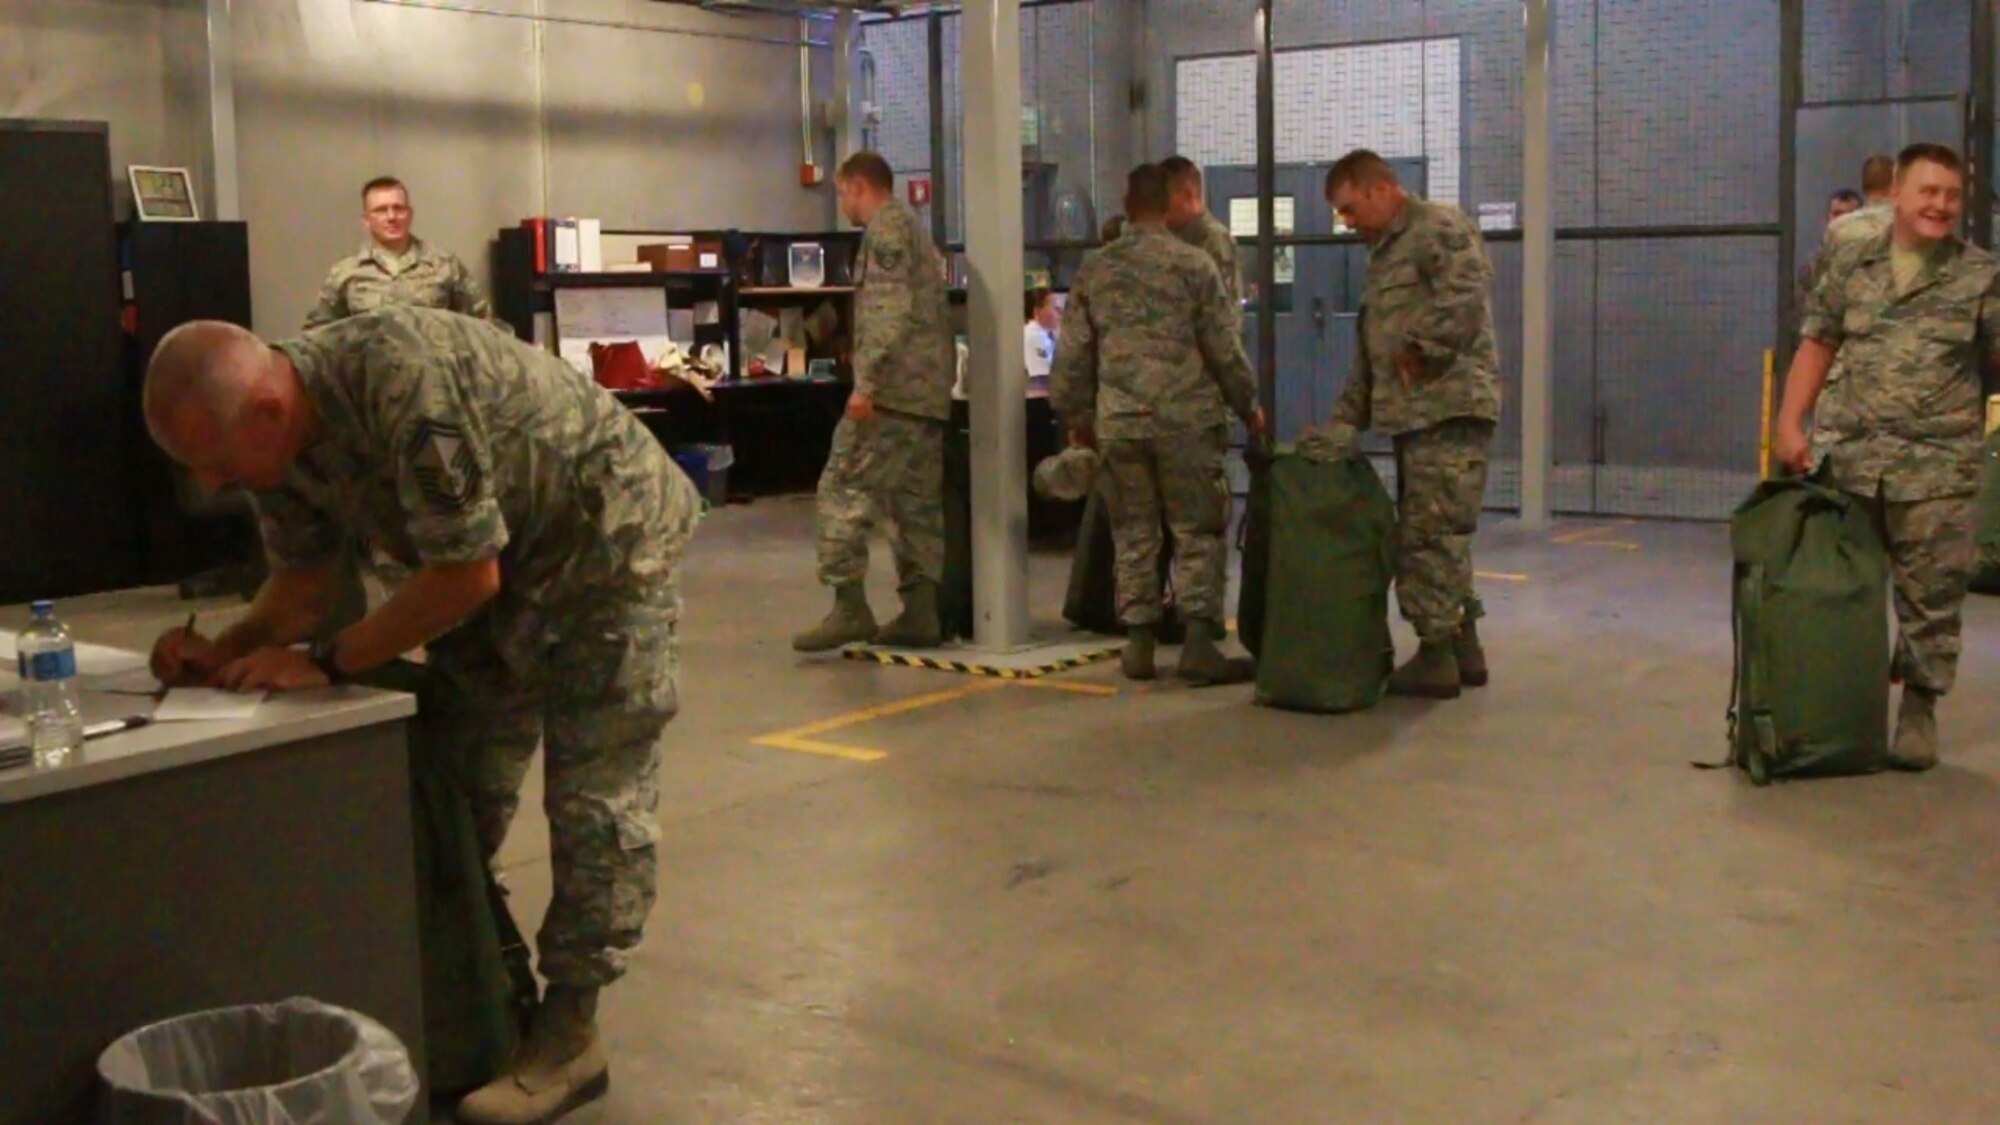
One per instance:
(184,866)
(283,717)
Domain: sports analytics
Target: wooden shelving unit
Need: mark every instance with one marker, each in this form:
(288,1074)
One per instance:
(798,291)
(624,279)
(781,427)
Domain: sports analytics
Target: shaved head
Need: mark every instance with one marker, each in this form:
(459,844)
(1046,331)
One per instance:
(199,378)
(223,403)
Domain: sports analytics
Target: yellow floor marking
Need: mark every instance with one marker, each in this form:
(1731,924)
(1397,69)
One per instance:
(1614,544)
(1584,534)
(884,710)
(1069,686)
(1498,576)
(828,749)
(801,740)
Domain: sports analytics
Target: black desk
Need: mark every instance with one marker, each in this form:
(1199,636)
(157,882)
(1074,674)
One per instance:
(780,430)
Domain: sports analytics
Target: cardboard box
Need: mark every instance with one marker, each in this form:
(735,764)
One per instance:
(669,257)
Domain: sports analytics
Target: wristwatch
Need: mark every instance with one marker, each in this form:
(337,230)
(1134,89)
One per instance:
(322,656)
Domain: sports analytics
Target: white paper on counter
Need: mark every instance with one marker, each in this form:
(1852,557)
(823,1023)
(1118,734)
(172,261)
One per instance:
(193,705)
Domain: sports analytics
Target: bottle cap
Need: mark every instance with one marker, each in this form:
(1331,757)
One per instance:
(42,608)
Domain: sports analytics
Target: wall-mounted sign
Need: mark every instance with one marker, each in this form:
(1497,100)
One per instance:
(1499,216)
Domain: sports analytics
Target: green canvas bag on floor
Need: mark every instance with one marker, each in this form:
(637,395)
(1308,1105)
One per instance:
(1317,538)
(1809,696)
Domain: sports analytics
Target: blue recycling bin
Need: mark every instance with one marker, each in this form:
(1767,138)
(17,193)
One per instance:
(694,462)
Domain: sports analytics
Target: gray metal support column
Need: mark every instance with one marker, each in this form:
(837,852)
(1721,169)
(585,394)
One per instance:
(1267,217)
(843,104)
(997,381)
(1538,235)
(941,160)
(1979,123)
(1791,92)
(222,110)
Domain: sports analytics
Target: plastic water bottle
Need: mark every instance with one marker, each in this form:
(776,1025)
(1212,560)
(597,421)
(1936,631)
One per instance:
(48,687)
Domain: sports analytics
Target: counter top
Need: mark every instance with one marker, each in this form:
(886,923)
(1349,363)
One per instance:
(283,717)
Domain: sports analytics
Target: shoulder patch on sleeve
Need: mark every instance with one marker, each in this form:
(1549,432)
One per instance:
(443,464)
(887,253)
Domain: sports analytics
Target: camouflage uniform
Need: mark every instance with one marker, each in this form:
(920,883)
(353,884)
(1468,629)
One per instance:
(372,278)
(445,440)
(1151,352)
(1428,278)
(1855,226)
(1207,234)
(1903,427)
(893,464)
(426,276)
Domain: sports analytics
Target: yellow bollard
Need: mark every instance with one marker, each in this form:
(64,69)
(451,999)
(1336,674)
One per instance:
(1764,418)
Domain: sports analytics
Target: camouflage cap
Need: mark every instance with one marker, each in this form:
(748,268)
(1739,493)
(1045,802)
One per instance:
(1067,475)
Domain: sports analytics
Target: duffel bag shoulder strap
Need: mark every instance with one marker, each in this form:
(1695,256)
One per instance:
(1746,610)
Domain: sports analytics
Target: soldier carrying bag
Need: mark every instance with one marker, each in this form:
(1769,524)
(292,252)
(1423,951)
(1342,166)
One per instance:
(1809,696)
(1317,539)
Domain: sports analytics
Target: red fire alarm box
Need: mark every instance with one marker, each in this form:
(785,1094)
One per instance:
(920,192)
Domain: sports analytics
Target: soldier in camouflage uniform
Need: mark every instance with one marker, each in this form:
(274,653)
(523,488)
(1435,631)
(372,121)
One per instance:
(545,527)
(1906,315)
(1427,373)
(1190,218)
(1150,370)
(1839,205)
(395,267)
(888,451)
(1854,224)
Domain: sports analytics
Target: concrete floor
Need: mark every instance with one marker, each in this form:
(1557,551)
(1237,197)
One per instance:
(1170,906)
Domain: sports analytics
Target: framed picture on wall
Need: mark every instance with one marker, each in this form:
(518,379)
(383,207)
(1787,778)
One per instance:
(163,194)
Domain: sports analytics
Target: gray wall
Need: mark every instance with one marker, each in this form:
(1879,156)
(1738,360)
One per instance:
(1886,48)
(130,62)
(1076,66)
(488,119)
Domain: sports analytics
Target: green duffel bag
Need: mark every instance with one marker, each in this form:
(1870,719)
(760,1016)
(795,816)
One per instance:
(1986,576)
(1810,693)
(1318,540)
(1253,543)
(478,982)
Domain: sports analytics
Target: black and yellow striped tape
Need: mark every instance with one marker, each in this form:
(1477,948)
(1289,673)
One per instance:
(911,660)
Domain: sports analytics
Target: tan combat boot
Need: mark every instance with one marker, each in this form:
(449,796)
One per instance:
(1432,673)
(850,621)
(1916,745)
(1202,663)
(1471,655)
(560,1065)
(917,626)
(1136,662)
